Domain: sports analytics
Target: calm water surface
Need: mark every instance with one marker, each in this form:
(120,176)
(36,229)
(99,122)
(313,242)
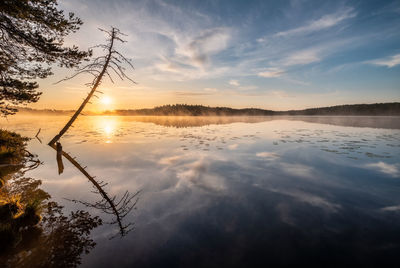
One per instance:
(231,191)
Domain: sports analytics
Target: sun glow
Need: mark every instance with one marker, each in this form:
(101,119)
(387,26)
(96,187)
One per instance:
(106,100)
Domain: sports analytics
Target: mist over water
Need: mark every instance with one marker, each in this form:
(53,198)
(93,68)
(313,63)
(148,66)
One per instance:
(232,191)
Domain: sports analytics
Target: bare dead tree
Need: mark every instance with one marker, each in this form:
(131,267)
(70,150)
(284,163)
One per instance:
(112,205)
(106,65)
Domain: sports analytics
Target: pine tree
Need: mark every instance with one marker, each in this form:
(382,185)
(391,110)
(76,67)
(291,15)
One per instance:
(32,34)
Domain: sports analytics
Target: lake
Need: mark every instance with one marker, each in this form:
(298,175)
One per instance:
(227,191)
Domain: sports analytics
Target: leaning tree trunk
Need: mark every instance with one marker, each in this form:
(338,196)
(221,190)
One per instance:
(89,96)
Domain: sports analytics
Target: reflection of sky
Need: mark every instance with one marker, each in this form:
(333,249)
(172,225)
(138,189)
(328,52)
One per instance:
(231,187)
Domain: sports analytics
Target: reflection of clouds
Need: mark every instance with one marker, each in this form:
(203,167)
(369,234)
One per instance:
(198,173)
(267,155)
(179,184)
(284,213)
(391,208)
(385,168)
(311,199)
(170,160)
(233,146)
(71,181)
(297,170)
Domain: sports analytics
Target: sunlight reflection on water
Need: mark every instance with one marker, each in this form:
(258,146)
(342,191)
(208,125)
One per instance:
(108,127)
(232,182)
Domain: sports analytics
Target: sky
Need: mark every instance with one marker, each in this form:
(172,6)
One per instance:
(275,55)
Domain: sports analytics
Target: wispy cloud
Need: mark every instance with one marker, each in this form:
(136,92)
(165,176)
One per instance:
(210,89)
(271,72)
(302,57)
(388,61)
(192,93)
(209,42)
(234,83)
(322,23)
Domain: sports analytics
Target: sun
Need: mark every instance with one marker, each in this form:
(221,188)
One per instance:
(106,100)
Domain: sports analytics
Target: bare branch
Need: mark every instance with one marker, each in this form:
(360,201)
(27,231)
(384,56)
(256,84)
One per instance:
(98,68)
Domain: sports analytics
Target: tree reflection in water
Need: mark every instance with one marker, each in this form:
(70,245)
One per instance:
(34,230)
(111,205)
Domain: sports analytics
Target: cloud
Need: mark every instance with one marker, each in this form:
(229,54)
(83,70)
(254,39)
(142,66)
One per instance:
(192,93)
(175,69)
(234,83)
(210,42)
(388,62)
(302,57)
(280,94)
(271,72)
(262,40)
(385,168)
(324,22)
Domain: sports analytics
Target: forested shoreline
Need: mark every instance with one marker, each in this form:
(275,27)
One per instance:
(377,109)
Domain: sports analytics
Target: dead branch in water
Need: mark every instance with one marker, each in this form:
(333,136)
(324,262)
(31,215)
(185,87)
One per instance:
(111,63)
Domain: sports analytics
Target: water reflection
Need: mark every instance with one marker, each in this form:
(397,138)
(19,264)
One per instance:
(34,230)
(243,194)
(111,205)
(108,126)
(387,122)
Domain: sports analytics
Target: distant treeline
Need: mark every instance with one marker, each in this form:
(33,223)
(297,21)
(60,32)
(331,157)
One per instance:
(24,110)
(193,110)
(353,109)
(200,110)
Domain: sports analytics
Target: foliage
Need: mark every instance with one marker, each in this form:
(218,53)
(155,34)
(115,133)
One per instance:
(35,232)
(12,153)
(200,110)
(354,109)
(194,110)
(32,33)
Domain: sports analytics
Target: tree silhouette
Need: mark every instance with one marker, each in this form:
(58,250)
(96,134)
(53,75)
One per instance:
(31,38)
(98,68)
